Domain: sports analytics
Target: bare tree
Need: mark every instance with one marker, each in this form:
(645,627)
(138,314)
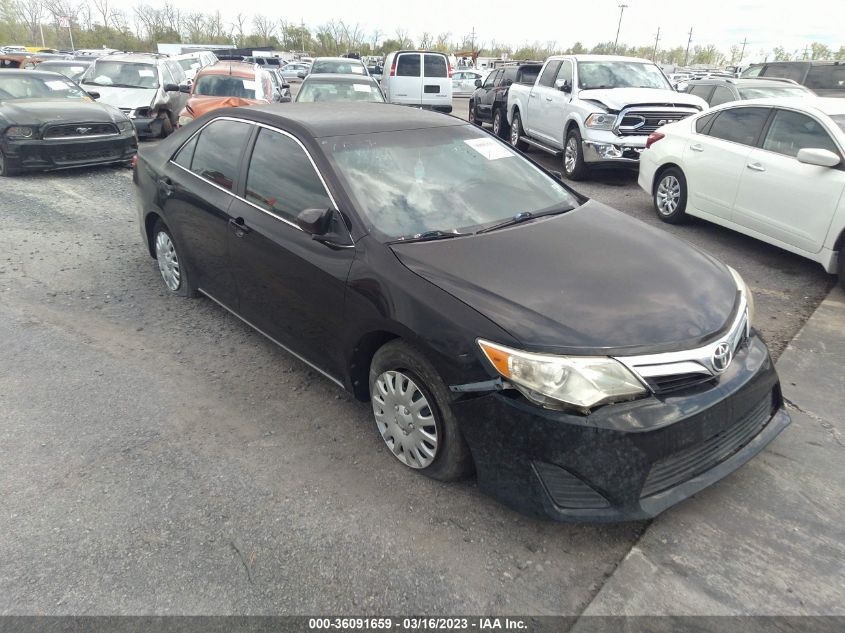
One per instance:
(426,40)
(31,12)
(375,38)
(238,28)
(263,27)
(194,26)
(402,38)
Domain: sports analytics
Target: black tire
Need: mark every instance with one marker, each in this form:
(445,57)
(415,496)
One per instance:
(577,170)
(473,115)
(516,132)
(842,266)
(185,287)
(166,124)
(500,123)
(452,459)
(5,170)
(669,196)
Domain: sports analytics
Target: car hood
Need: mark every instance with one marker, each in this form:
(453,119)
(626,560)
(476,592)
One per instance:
(618,98)
(200,105)
(124,97)
(592,280)
(40,111)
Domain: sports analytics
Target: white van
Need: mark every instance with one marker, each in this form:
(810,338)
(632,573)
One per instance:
(418,78)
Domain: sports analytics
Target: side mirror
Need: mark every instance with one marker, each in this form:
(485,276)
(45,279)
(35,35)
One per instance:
(171,87)
(315,222)
(326,226)
(478,83)
(185,88)
(301,74)
(818,156)
(93,94)
(508,82)
(285,86)
(564,86)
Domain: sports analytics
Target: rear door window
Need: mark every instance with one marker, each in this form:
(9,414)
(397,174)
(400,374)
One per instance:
(218,151)
(721,95)
(827,77)
(408,65)
(792,131)
(702,91)
(739,125)
(435,66)
(547,78)
(788,71)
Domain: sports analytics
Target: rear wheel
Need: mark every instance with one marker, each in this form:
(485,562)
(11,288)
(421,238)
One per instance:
(170,263)
(517,132)
(670,196)
(500,123)
(411,406)
(842,266)
(473,115)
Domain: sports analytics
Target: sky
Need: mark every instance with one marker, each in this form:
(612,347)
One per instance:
(766,23)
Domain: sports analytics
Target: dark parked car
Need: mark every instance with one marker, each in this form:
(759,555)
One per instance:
(716,91)
(826,79)
(588,366)
(489,102)
(49,122)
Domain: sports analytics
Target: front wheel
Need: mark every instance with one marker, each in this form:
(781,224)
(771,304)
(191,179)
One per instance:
(500,123)
(473,115)
(574,166)
(516,133)
(670,196)
(166,124)
(411,405)
(5,170)
(842,266)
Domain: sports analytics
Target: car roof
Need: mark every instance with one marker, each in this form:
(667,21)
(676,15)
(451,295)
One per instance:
(337,59)
(233,68)
(319,120)
(337,78)
(767,82)
(132,57)
(17,72)
(66,62)
(603,58)
(823,105)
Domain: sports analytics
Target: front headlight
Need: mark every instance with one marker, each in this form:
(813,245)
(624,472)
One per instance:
(745,291)
(600,121)
(184,119)
(20,131)
(555,381)
(124,126)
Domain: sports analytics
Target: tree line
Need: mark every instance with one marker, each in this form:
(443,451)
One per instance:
(98,23)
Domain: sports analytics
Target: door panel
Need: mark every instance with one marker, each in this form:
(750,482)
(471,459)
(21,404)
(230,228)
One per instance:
(406,86)
(291,286)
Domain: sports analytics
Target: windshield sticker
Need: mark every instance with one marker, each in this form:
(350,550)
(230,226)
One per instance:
(358,70)
(145,73)
(489,149)
(57,85)
(360,87)
(249,84)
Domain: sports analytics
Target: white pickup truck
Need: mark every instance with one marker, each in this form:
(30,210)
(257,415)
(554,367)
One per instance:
(595,110)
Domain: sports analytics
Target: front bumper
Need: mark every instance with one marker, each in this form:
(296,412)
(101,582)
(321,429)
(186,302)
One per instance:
(627,461)
(147,127)
(45,155)
(625,154)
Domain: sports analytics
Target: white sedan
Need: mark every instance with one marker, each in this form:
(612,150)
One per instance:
(770,168)
(463,81)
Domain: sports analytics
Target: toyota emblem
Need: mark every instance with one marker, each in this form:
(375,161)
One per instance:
(721,357)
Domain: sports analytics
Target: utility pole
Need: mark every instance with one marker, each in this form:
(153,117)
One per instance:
(656,40)
(689,41)
(302,33)
(742,54)
(622,8)
(805,52)
(472,40)
(41,27)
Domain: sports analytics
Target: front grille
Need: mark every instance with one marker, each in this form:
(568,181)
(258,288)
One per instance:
(642,122)
(688,463)
(566,490)
(68,156)
(676,382)
(79,130)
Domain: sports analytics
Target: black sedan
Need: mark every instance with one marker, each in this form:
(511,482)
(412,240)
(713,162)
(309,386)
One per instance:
(585,365)
(48,122)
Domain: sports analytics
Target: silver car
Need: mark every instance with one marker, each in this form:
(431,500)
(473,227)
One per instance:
(291,71)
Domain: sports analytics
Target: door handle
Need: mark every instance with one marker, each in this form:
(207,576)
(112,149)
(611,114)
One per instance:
(696,147)
(532,96)
(756,167)
(548,98)
(238,227)
(165,185)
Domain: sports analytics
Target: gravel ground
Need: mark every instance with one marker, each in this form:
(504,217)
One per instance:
(158,456)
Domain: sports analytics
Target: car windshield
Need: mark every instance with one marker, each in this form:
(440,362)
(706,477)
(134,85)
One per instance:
(122,75)
(23,86)
(363,90)
(71,71)
(189,63)
(338,67)
(225,86)
(450,179)
(593,75)
(761,92)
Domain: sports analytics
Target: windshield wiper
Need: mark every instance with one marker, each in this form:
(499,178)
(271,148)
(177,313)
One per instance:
(524,216)
(427,236)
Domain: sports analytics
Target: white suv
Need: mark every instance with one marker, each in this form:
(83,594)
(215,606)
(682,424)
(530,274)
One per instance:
(773,169)
(418,78)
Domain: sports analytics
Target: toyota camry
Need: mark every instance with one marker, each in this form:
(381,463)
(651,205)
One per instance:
(584,365)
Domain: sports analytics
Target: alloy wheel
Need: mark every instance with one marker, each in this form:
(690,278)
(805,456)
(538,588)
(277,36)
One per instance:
(168,261)
(668,195)
(405,419)
(515,130)
(497,123)
(570,155)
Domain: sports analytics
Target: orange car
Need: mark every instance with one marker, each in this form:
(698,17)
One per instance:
(227,84)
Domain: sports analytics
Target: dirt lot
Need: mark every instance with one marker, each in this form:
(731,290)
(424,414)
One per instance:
(158,456)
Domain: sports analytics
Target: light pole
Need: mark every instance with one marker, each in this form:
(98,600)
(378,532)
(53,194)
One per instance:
(622,8)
